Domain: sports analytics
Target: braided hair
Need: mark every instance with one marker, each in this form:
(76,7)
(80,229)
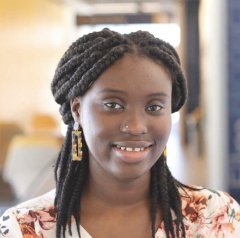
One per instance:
(77,70)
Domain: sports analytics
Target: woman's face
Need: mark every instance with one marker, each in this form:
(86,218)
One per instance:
(126,117)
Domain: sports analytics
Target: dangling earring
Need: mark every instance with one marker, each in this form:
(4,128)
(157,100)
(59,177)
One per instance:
(165,153)
(76,143)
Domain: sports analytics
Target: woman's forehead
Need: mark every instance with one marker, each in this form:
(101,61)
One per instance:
(131,73)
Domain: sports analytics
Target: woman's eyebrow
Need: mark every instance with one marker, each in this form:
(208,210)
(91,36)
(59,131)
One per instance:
(112,90)
(158,94)
(118,91)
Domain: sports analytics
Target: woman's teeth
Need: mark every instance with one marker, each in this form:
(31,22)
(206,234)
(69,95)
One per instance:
(137,149)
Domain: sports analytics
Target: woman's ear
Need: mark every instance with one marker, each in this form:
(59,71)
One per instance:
(75,109)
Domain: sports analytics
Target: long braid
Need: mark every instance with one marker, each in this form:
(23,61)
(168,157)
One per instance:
(175,200)
(71,190)
(65,196)
(154,196)
(165,189)
(66,146)
(61,164)
(79,67)
(81,177)
(164,198)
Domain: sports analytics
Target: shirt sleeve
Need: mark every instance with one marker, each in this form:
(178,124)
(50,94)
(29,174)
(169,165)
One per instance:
(210,214)
(233,215)
(9,227)
(225,216)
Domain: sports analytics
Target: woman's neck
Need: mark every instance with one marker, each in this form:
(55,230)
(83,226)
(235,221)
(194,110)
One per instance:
(112,192)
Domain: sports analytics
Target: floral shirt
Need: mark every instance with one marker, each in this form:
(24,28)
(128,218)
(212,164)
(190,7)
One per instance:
(207,214)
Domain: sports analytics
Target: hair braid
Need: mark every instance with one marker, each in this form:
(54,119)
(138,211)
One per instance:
(175,200)
(86,60)
(63,198)
(98,68)
(96,45)
(81,177)
(80,66)
(85,40)
(69,191)
(62,164)
(154,195)
(169,197)
(164,198)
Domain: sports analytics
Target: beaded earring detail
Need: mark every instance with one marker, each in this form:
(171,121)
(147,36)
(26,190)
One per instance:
(76,143)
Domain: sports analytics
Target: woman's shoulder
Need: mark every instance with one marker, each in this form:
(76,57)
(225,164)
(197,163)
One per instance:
(208,198)
(30,217)
(210,211)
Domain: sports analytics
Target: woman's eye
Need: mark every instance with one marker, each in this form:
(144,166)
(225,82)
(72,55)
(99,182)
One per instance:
(154,108)
(113,105)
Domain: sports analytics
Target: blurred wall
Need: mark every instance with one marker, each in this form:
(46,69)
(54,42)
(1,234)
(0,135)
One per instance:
(213,37)
(34,34)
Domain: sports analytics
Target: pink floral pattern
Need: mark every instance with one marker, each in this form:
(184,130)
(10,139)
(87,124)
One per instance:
(46,218)
(207,214)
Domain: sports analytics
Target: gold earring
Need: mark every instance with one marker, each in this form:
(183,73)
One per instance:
(76,143)
(165,153)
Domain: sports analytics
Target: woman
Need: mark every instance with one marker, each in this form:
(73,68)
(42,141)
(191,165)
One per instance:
(117,93)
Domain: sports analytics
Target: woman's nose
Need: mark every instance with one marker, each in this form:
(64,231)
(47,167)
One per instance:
(134,123)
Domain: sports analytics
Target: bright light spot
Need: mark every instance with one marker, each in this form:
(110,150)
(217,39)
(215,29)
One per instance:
(169,32)
(63,129)
(175,117)
(111,8)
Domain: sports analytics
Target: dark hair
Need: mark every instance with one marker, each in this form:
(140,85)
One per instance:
(79,67)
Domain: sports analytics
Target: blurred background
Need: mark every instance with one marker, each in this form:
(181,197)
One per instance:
(204,146)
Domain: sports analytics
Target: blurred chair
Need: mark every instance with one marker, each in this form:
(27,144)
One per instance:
(44,124)
(7,131)
(29,165)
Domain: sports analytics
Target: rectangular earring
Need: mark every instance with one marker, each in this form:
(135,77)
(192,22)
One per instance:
(76,143)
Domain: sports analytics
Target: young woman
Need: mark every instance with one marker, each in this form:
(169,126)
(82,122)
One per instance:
(117,93)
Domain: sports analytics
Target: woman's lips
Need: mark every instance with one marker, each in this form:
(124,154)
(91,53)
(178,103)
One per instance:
(131,149)
(132,153)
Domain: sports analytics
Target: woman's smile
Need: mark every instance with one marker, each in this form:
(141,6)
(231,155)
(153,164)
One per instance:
(132,151)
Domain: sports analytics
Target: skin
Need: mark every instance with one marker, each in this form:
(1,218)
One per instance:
(135,91)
